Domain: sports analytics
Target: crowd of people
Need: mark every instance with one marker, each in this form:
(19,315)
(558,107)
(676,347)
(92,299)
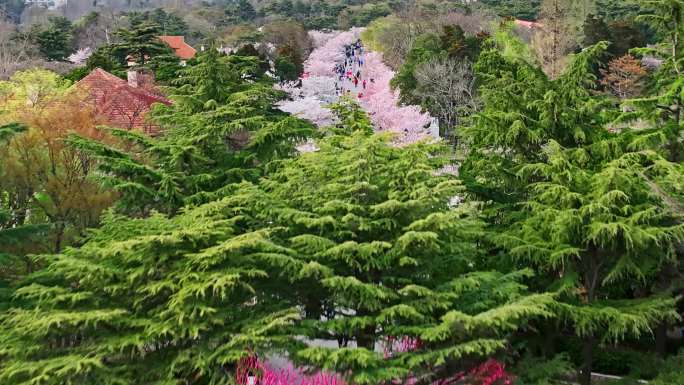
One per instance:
(349,73)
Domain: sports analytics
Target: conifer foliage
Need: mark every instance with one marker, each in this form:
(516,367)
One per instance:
(156,300)
(222,128)
(575,200)
(360,232)
(399,260)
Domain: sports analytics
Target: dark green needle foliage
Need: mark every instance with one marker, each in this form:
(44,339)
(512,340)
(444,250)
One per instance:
(151,301)
(358,236)
(400,261)
(140,44)
(221,128)
(573,199)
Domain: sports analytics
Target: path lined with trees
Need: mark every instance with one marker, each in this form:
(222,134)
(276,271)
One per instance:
(318,86)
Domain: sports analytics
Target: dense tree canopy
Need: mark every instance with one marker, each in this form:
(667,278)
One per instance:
(273,231)
(361,232)
(222,128)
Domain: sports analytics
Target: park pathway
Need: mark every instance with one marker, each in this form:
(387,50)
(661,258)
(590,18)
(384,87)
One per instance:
(321,85)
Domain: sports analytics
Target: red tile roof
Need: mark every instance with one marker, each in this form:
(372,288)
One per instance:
(122,105)
(183,49)
(527,24)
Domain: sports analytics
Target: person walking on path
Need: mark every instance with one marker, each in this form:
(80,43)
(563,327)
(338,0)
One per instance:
(356,82)
(363,84)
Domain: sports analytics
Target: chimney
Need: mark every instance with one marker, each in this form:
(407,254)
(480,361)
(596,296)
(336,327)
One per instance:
(133,78)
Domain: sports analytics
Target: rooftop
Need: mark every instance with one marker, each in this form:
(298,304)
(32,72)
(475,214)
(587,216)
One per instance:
(123,103)
(183,49)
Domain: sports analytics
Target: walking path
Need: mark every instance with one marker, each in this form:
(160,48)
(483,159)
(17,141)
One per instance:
(331,71)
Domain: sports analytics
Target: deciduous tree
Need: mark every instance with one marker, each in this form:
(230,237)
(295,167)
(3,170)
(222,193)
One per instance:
(555,39)
(447,90)
(46,181)
(625,77)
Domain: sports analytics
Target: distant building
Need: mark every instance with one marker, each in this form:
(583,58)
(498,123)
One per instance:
(123,104)
(49,4)
(433,129)
(182,49)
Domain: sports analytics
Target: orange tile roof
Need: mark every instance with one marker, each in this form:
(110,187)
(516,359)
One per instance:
(122,105)
(183,49)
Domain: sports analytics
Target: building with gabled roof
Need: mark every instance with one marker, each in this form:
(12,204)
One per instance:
(183,50)
(123,104)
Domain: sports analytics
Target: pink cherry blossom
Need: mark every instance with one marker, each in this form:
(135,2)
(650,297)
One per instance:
(309,108)
(79,57)
(323,58)
(382,104)
(377,97)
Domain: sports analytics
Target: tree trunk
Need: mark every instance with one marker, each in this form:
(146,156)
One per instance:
(584,377)
(366,338)
(312,308)
(59,237)
(548,346)
(661,339)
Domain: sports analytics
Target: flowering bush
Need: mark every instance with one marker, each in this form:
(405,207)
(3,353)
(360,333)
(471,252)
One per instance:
(264,374)
(398,345)
(490,372)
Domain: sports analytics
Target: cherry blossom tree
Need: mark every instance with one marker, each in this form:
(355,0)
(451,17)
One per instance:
(323,58)
(79,57)
(318,38)
(381,102)
(317,89)
(322,87)
(309,108)
(314,91)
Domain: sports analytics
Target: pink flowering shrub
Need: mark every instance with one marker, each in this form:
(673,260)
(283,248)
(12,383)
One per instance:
(393,345)
(266,375)
(490,372)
